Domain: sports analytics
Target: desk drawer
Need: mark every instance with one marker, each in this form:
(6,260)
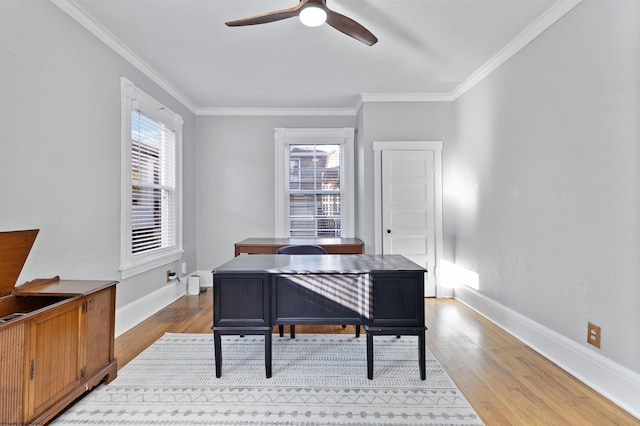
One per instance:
(317,299)
(397,299)
(240,300)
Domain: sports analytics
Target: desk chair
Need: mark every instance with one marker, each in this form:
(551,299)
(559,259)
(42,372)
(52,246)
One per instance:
(303,249)
(298,249)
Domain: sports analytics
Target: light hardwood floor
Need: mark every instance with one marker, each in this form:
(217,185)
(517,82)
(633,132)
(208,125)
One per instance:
(506,382)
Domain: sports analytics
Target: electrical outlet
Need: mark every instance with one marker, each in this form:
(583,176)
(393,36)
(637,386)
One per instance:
(170,275)
(593,336)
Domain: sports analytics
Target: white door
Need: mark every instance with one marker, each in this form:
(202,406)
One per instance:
(408,209)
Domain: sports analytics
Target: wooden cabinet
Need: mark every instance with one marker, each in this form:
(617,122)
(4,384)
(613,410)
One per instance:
(56,338)
(54,354)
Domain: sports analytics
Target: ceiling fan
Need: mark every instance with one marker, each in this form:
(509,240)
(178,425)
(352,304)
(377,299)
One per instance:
(317,13)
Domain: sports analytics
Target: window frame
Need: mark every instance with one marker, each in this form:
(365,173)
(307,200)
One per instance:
(284,137)
(132,99)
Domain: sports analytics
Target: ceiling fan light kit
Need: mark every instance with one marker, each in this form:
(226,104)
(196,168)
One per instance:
(313,15)
(317,13)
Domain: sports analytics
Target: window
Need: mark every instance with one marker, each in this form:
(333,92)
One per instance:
(151,184)
(314,182)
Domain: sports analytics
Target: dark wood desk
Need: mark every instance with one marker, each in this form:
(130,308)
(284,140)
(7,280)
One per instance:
(271,245)
(384,293)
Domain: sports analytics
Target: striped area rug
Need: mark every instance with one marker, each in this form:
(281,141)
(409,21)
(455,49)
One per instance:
(318,379)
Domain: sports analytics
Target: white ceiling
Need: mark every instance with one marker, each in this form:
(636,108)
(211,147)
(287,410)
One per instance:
(426,47)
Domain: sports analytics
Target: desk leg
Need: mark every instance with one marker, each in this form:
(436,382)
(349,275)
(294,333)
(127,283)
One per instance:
(217,350)
(369,356)
(397,331)
(217,344)
(422,356)
(267,354)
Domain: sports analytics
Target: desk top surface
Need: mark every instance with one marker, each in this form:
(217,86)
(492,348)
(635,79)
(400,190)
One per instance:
(319,264)
(288,241)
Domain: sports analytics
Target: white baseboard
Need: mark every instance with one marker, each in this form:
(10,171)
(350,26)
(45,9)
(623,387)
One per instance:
(613,381)
(137,311)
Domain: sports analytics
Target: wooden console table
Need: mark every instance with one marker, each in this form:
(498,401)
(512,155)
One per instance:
(271,245)
(384,293)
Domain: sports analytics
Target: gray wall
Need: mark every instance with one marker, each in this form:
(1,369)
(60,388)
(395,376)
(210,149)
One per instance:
(552,141)
(236,179)
(236,193)
(60,147)
(400,121)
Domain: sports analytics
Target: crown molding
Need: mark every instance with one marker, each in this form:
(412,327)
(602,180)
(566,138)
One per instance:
(325,112)
(537,27)
(548,18)
(406,97)
(94,27)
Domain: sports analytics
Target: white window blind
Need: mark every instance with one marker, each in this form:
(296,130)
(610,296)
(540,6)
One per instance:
(153,184)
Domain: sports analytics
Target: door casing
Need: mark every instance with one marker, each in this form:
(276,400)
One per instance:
(436,147)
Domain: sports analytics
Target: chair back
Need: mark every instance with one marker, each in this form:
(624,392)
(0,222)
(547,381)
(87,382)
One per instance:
(301,249)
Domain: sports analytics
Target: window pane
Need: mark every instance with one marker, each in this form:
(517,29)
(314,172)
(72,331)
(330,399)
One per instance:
(153,199)
(315,215)
(314,167)
(314,190)
(315,180)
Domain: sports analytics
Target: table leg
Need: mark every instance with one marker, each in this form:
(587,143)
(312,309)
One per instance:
(369,356)
(217,350)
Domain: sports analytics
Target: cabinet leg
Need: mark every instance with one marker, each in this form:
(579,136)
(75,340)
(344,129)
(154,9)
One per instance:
(217,349)
(281,330)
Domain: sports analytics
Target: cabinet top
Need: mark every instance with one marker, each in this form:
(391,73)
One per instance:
(57,287)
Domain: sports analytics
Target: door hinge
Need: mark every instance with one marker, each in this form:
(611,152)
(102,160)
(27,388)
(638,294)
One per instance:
(32,369)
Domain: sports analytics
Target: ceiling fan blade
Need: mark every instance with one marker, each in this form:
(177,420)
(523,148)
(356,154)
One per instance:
(350,27)
(265,18)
